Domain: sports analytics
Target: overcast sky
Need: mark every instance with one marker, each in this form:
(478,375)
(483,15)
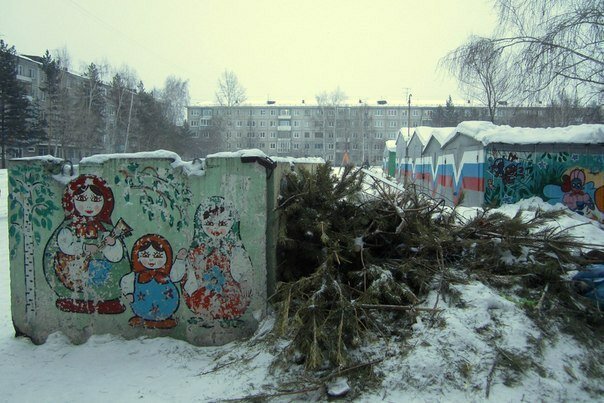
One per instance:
(283,50)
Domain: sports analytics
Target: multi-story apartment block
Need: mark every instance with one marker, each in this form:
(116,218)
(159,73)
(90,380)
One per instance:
(303,130)
(33,78)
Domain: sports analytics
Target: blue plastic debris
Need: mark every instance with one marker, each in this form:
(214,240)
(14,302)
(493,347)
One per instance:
(590,283)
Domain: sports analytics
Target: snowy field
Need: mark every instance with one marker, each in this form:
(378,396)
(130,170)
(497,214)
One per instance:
(450,362)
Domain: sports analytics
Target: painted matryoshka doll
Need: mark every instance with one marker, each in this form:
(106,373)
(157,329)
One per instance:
(215,284)
(85,257)
(150,287)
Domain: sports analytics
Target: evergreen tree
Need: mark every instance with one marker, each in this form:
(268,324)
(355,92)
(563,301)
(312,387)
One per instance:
(56,101)
(14,104)
(447,116)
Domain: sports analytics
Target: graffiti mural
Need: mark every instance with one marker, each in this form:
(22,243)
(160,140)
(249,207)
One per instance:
(161,194)
(150,287)
(575,180)
(215,285)
(85,257)
(509,177)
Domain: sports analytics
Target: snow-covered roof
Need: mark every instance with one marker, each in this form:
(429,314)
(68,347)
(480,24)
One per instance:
(487,132)
(312,102)
(423,133)
(440,135)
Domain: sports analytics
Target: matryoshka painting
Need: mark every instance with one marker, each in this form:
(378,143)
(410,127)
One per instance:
(217,269)
(150,286)
(85,257)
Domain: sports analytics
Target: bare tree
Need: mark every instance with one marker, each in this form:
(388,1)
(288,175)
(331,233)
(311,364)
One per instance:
(176,98)
(329,103)
(230,91)
(483,71)
(558,44)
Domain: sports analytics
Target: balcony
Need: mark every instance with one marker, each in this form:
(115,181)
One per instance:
(284,128)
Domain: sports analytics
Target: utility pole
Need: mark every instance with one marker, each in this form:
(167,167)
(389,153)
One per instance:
(129,117)
(408,135)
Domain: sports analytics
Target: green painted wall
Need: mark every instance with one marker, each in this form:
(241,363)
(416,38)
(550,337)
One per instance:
(192,266)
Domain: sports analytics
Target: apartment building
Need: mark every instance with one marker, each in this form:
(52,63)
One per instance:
(303,130)
(32,76)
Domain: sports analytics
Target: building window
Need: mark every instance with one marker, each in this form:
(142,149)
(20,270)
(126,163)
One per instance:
(273,134)
(379,123)
(262,124)
(330,146)
(379,112)
(273,146)
(378,135)
(207,112)
(296,123)
(296,135)
(194,123)
(318,146)
(239,123)
(296,146)
(392,124)
(20,73)
(318,135)
(195,112)
(297,112)
(262,134)
(204,122)
(415,112)
(391,112)
(306,135)
(272,124)
(272,112)
(263,111)
(284,112)
(306,146)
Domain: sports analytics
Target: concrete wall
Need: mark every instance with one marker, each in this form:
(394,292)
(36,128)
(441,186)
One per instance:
(190,261)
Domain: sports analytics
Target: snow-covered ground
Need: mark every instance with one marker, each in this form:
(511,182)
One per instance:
(449,357)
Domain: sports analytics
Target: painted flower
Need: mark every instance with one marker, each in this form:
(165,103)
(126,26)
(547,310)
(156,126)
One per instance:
(214,279)
(574,157)
(542,164)
(507,200)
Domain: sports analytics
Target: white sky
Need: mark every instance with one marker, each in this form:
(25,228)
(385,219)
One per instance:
(285,50)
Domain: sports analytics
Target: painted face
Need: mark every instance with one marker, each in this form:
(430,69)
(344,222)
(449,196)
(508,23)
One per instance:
(152,258)
(88,204)
(576,184)
(217,224)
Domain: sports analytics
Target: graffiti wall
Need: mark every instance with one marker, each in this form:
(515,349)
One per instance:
(573,179)
(135,246)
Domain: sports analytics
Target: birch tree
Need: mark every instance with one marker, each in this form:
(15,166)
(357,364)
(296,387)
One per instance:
(230,91)
(31,204)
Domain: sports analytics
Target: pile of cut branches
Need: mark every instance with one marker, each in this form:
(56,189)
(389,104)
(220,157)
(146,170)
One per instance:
(351,261)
